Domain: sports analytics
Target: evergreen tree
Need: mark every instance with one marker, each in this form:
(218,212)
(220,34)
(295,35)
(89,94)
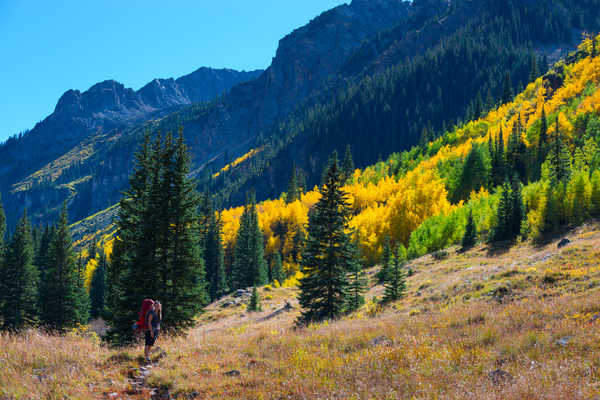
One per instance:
(298,242)
(542,150)
(357,284)
(507,90)
(185,284)
(249,265)
(2,246)
(214,259)
(386,261)
(19,279)
(395,283)
(83,298)
(470,236)
(348,164)
(277,268)
(594,52)
(509,212)
(329,254)
(498,161)
(534,69)
(517,210)
(559,159)
(98,288)
(254,303)
(292,191)
(60,303)
(474,175)
(516,151)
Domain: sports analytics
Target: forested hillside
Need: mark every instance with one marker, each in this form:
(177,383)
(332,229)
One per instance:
(325,88)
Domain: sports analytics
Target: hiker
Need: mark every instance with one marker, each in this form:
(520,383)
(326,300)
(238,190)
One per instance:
(152,319)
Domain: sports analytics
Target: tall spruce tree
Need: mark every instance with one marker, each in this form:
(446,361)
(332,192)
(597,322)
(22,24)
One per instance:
(83,298)
(542,150)
(277,268)
(357,283)
(559,159)
(293,192)
(348,163)
(20,279)
(386,261)
(395,283)
(254,302)
(249,265)
(329,254)
(214,259)
(98,288)
(509,212)
(474,175)
(184,292)
(60,303)
(507,90)
(2,246)
(470,236)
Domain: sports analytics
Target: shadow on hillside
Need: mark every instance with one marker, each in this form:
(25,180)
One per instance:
(499,248)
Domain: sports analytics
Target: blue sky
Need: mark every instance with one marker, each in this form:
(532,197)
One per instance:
(48,47)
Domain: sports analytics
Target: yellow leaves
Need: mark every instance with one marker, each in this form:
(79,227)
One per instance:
(238,161)
(90,267)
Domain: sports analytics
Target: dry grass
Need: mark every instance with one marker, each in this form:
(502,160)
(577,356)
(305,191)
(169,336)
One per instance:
(530,311)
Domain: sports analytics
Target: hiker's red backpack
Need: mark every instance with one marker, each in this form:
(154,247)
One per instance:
(141,325)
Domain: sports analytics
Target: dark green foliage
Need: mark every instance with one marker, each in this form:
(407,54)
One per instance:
(559,159)
(510,212)
(329,254)
(83,298)
(98,288)
(157,253)
(19,283)
(298,243)
(214,259)
(60,301)
(395,283)
(507,91)
(357,285)
(386,261)
(499,170)
(254,303)
(348,163)
(516,152)
(249,265)
(474,175)
(542,150)
(2,228)
(470,237)
(277,268)
(293,192)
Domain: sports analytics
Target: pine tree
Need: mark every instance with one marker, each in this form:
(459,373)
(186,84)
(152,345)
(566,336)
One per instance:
(474,175)
(20,279)
(254,303)
(184,290)
(357,284)
(249,265)
(517,211)
(594,52)
(509,213)
(329,254)
(83,298)
(386,261)
(507,91)
(298,243)
(559,159)
(60,305)
(292,191)
(277,268)
(534,73)
(542,150)
(470,236)
(395,283)
(214,259)
(515,152)
(2,246)
(98,288)
(348,164)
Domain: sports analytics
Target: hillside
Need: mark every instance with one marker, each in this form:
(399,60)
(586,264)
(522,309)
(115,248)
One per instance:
(317,95)
(486,324)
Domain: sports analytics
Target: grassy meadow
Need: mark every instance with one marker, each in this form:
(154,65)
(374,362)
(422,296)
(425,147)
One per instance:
(515,323)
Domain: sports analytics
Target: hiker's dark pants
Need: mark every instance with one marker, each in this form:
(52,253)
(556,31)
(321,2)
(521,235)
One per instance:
(149,339)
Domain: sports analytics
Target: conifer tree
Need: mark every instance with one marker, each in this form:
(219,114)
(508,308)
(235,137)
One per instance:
(249,265)
(518,213)
(185,290)
(395,283)
(474,175)
(515,153)
(60,303)
(292,191)
(298,242)
(19,279)
(214,259)
(277,268)
(98,288)
(542,150)
(254,303)
(507,91)
(470,236)
(329,254)
(83,298)
(386,261)
(348,163)
(2,245)
(357,284)
(509,212)
(559,159)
